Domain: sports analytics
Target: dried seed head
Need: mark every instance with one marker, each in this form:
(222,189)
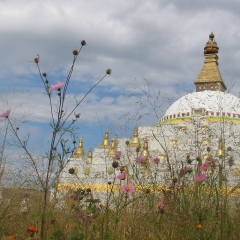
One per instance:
(71,170)
(115,164)
(75,52)
(83,42)
(109,71)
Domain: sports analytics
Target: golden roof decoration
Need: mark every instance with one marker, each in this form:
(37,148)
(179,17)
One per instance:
(135,140)
(105,143)
(221,151)
(80,150)
(90,156)
(145,151)
(113,150)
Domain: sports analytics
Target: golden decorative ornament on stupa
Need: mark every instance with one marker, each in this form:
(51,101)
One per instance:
(145,153)
(220,152)
(87,171)
(113,150)
(135,140)
(110,170)
(80,150)
(90,156)
(105,143)
(211,46)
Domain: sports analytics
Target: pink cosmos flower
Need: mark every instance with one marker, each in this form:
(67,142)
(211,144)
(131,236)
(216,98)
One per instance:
(127,188)
(161,204)
(117,155)
(201,178)
(140,159)
(6,114)
(191,154)
(204,167)
(178,186)
(156,160)
(122,176)
(58,86)
(211,160)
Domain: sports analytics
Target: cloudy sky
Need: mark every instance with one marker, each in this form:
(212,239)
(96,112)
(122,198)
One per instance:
(153,46)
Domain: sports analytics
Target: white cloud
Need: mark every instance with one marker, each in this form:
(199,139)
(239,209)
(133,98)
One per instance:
(159,41)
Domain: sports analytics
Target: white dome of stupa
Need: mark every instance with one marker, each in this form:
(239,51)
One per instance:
(210,103)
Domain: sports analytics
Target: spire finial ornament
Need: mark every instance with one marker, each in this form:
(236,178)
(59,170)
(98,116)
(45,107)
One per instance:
(135,140)
(80,150)
(105,143)
(90,156)
(211,45)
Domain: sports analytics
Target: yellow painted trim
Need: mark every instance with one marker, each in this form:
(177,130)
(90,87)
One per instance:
(209,118)
(103,188)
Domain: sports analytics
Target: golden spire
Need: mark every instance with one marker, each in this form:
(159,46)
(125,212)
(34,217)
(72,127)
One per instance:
(135,140)
(145,153)
(105,143)
(90,156)
(80,150)
(210,77)
(113,149)
(220,152)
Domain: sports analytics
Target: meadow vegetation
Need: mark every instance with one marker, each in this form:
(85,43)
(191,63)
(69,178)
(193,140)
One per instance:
(194,203)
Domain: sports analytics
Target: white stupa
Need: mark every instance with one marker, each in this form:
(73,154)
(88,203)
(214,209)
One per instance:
(205,123)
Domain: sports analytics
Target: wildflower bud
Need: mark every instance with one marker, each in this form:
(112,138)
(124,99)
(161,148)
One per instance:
(198,159)
(77,115)
(138,149)
(208,149)
(174,180)
(161,210)
(109,183)
(147,191)
(109,71)
(36,60)
(199,226)
(17,128)
(122,168)
(54,148)
(127,142)
(53,222)
(229,149)
(75,52)
(230,161)
(44,74)
(189,161)
(83,42)
(115,164)
(46,81)
(71,170)
(74,141)
(188,156)
(88,190)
